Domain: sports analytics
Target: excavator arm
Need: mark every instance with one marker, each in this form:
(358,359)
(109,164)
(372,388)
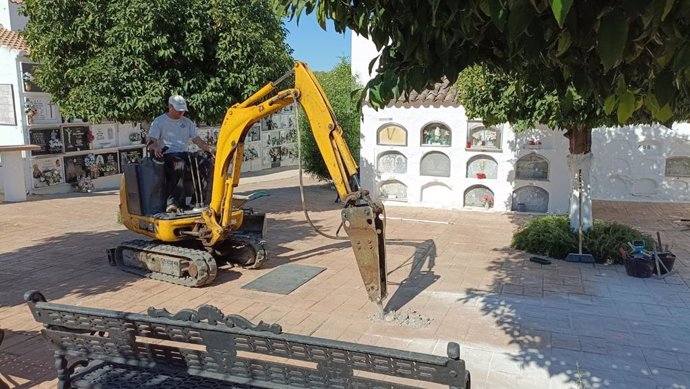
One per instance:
(362,218)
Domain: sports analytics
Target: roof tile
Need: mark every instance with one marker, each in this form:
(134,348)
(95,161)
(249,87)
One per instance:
(12,39)
(442,93)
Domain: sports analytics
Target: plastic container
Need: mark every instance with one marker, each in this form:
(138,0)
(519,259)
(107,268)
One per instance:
(639,267)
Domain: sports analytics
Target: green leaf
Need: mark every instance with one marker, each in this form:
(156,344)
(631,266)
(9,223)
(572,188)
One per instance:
(665,114)
(564,42)
(626,107)
(621,85)
(663,88)
(485,7)
(372,63)
(498,14)
(612,38)
(667,8)
(652,104)
(560,9)
(519,18)
(609,104)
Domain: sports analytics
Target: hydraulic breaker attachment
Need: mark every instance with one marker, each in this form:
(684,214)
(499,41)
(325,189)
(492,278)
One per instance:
(365,226)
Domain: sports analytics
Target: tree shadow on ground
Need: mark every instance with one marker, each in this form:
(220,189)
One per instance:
(587,326)
(19,370)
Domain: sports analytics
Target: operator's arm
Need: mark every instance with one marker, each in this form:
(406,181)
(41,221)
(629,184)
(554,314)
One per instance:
(202,145)
(153,139)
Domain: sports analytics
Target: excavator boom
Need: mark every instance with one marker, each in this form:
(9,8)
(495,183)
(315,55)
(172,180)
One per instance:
(362,217)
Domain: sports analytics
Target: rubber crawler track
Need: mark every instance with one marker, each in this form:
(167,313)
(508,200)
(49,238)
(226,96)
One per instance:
(204,261)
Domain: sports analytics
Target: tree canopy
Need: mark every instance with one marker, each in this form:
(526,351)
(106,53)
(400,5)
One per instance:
(338,84)
(120,60)
(631,56)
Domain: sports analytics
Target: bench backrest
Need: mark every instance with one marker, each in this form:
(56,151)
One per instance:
(207,343)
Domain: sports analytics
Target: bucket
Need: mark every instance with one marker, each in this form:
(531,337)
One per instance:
(639,267)
(668,259)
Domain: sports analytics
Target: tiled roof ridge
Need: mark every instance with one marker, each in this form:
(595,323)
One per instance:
(12,39)
(442,93)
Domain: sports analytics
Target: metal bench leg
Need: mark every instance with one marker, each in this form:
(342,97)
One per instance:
(63,372)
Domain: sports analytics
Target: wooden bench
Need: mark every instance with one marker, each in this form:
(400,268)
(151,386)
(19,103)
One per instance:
(205,348)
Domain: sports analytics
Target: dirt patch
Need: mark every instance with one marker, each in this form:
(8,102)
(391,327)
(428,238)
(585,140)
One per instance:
(408,318)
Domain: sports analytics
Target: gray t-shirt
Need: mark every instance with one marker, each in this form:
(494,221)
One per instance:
(173,133)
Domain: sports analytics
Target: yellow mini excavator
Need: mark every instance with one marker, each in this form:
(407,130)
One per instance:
(187,247)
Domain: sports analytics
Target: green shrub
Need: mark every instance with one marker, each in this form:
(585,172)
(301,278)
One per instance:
(551,236)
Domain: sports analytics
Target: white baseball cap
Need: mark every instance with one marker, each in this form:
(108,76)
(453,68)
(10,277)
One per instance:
(178,103)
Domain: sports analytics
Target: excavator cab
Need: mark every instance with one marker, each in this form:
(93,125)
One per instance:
(188,245)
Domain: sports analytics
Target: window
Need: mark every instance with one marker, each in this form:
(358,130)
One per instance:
(530,199)
(391,135)
(482,166)
(532,167)
(435,164)
(436,134)
(483,138)
(678,167)
(393,190)
(479,196)
(392,162)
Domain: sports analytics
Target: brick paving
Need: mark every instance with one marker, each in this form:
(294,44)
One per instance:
(520,324)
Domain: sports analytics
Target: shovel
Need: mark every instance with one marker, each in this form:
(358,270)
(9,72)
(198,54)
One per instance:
(579,257)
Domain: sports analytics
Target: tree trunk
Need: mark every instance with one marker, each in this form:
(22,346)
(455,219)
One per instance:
(579,164)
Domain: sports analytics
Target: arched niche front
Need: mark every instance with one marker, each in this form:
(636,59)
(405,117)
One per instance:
(532,167)
(435,164)
(392,162)
(678,167)
(479,196)
(393,190)
(483,138)
(530,199)
(437,194)
(391,134)
(436,134)
(482,166)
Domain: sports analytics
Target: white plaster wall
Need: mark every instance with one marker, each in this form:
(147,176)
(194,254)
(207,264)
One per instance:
(9,16)
(5,12)
(449,192)
(9,74)
(624,169)
(363,51)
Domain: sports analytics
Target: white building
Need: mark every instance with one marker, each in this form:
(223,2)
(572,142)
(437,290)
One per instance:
(428,152)
(70,149)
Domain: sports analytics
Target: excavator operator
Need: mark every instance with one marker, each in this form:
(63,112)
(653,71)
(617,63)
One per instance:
(167,138)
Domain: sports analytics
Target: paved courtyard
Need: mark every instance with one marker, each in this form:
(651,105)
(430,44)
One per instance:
(520,324)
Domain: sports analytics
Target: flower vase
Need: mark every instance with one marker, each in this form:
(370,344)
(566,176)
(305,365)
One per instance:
(27,86)
(486,205)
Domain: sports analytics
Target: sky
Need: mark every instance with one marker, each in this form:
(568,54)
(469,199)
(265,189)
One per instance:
(320,49)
